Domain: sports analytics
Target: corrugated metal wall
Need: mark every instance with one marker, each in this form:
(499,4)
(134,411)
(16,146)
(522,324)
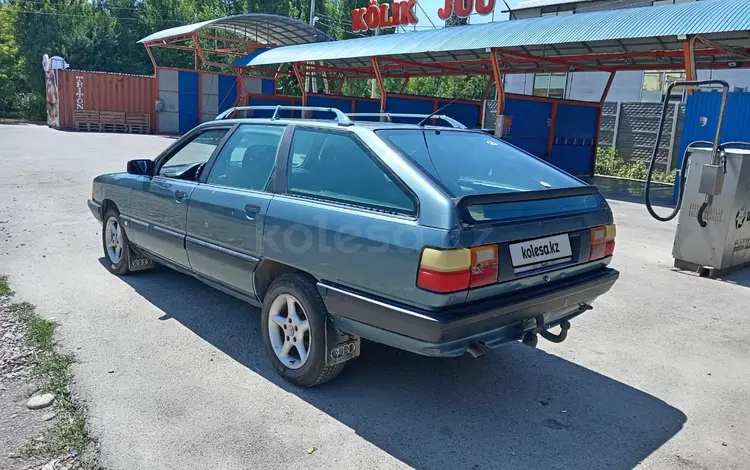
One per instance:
(101,91)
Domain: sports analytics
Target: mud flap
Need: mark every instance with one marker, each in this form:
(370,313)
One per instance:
(139,262)
(340,347)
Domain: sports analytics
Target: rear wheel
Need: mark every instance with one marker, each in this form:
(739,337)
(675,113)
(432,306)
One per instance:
(293,323)
(115,243)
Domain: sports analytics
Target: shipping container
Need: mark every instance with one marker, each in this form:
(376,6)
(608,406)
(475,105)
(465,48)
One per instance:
(103,91)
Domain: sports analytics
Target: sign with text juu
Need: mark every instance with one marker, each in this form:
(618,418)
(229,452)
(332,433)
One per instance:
(384,15)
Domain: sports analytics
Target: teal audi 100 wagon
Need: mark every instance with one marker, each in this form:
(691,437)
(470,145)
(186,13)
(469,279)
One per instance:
(411,231)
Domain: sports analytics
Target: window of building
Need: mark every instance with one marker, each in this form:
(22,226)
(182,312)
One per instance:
(656,82)
(550,85)
(558,10)
(334,166)
(248,158)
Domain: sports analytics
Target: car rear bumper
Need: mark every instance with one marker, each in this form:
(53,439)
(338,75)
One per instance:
(450,332)
(95,208)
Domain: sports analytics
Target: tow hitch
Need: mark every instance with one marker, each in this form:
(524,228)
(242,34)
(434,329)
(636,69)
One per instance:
(531,339)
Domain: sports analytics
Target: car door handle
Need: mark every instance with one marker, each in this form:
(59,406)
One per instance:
(180,196)
(251,210)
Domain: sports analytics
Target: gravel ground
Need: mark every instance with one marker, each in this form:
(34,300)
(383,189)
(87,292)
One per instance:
(175,375)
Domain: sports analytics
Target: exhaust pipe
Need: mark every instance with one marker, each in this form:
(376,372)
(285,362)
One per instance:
(476,350)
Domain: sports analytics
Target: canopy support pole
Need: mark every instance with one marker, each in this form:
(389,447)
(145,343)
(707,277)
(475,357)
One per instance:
(688,48)
(381,86)
(276,78)
(295,67)
(498,81)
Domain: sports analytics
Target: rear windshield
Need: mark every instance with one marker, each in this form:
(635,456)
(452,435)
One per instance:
(466,163)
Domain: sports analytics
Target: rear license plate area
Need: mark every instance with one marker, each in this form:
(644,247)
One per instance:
(540,252)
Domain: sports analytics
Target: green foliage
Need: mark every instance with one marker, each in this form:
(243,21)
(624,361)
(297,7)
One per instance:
(610,163)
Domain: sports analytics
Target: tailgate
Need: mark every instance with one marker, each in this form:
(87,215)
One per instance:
(541,236)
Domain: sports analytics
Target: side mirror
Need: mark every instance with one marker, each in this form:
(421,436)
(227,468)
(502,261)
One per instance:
(141,167)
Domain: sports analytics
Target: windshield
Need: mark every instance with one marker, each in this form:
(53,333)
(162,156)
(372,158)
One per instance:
(468,163)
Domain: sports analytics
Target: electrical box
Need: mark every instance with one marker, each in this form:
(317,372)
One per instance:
(724,243)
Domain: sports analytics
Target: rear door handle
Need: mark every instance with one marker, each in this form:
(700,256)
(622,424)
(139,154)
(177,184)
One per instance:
(251,210)
(180,196)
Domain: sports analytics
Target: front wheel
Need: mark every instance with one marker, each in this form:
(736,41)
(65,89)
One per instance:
(293,324)
(115,243)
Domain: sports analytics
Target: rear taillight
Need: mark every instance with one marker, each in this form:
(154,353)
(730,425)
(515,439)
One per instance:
(602,241)
(458,269)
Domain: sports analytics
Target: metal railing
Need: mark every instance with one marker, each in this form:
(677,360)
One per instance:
(341,118)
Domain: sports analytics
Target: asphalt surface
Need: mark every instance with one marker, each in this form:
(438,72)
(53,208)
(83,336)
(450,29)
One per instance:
(175,374)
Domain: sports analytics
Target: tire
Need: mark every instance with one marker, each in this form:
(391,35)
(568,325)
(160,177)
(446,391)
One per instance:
(302,289)
(119,265)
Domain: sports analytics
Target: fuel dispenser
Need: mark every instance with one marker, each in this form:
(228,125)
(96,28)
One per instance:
(713,234)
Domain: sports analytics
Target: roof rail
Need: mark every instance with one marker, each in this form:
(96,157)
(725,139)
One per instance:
(443,117)
(341,118)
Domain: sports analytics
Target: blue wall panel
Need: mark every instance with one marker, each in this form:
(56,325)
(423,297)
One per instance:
(575,131)
(271,101)
(465,113)
(529,129)
(267,86)
(398,104)
(367,106)
(187,97)
(227,92)
(344,104)
(736,126)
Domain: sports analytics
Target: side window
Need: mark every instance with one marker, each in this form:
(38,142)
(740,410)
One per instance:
(196,152)
(334,166)
(248,158)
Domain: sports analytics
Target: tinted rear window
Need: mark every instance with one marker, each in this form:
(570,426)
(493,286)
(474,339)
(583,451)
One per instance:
(467,163)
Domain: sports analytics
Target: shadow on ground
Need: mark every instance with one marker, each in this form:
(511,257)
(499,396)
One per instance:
(632,191)
(514,408)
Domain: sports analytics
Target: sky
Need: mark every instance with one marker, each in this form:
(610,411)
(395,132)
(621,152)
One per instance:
(431,7)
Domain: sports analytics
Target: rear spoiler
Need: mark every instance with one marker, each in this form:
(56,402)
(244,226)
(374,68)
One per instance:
(464,202)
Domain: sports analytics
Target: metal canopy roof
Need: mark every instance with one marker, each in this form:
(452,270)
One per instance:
(642,38)
(255,27)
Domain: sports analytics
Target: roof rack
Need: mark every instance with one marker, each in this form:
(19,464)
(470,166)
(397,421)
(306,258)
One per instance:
(341,118)
(443,117)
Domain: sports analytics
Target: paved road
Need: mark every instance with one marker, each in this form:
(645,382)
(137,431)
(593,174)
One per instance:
(657,375)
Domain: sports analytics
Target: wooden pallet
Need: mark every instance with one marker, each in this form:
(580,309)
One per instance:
(138,123)
(86,126)
(106,127)
(86,120)
(138,128)
(112,117)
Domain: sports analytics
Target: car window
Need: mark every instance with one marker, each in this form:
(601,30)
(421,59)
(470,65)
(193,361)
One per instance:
(335,166)
(475,163)
(248,158)
(197,151)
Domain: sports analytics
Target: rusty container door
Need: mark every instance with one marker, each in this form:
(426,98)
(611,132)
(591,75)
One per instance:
(103,91)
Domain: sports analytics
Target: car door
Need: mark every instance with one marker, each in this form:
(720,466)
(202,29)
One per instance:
(226,215)
(159,203)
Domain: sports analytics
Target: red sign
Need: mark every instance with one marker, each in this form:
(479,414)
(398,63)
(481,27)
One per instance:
(379,16)
(463,8)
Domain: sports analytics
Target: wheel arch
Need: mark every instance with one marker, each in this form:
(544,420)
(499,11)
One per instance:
(267,271)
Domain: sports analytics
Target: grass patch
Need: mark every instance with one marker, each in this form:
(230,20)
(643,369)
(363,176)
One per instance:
(52,370)
(5,290)
(610,163)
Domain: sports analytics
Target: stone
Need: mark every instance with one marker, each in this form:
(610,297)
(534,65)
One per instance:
(49,416)
(37,402)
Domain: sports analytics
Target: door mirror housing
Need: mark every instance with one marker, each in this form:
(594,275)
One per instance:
(141,167)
